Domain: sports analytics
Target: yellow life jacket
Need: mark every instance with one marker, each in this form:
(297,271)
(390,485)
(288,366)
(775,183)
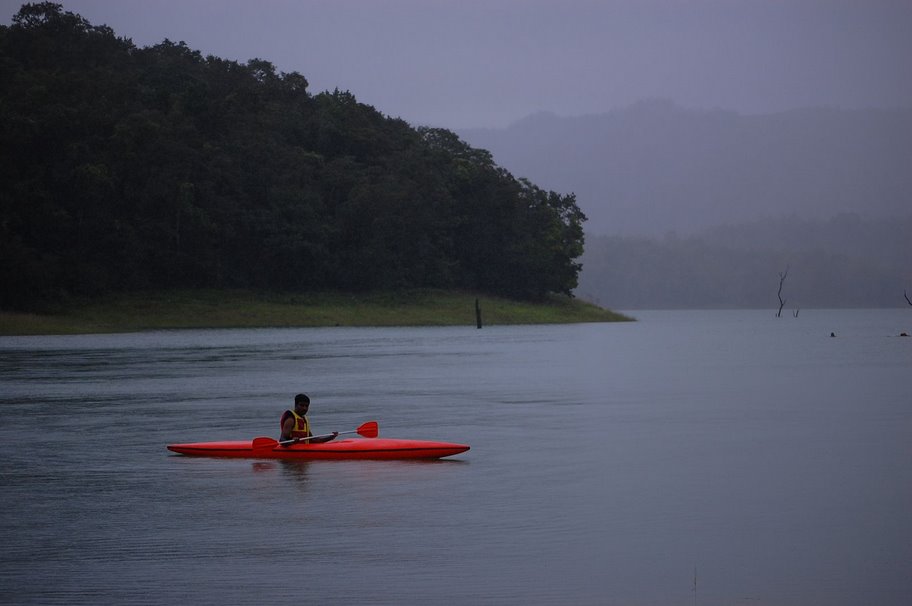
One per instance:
(302,425)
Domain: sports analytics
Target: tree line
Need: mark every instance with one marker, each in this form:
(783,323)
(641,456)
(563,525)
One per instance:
(845,261)
(128,168)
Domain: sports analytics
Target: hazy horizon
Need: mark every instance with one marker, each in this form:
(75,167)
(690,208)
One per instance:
(488,64)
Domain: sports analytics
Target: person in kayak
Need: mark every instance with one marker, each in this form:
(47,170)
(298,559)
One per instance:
(295,424)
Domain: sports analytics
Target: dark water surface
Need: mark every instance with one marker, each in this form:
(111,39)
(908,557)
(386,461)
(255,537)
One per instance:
(608,463)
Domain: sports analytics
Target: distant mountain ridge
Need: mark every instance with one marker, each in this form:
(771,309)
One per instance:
(656,167)
(704,208)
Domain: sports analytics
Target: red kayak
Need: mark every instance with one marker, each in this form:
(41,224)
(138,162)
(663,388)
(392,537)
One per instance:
(351,448)
(300,448)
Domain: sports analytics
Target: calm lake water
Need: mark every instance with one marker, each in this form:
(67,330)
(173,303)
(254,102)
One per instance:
(724,457)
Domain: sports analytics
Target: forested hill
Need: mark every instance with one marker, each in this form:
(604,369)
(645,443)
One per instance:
(127,168)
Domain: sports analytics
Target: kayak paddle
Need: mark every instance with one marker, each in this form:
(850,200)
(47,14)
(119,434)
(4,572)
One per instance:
(368,430)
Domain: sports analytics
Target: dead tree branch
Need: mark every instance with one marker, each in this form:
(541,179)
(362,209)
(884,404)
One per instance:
(782,276)
(907,298)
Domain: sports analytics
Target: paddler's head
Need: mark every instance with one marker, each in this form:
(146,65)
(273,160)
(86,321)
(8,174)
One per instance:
(302,403)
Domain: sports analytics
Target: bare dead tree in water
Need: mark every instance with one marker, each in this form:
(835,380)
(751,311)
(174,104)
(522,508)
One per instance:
(797,309)
(695,586)
(907,298)
(782,276)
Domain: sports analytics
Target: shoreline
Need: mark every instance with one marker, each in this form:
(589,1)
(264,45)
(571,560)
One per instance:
(193,309)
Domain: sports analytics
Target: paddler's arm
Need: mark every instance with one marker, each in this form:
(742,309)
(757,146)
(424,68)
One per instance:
(287,428)
(328,438)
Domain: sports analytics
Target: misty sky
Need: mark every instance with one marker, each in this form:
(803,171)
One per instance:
(486,63)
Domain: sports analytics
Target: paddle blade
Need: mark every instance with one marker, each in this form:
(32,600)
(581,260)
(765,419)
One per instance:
(264,443)
(369,430)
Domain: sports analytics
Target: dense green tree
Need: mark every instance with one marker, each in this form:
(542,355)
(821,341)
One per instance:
(125,168)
